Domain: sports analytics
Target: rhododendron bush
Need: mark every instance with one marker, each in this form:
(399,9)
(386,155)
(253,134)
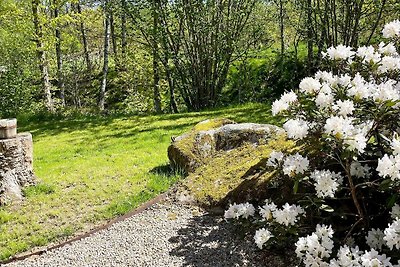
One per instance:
(346,172)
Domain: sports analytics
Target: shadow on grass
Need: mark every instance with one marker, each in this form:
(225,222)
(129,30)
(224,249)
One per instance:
(248,113)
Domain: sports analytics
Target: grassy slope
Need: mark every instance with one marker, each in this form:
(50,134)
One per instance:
(91,170)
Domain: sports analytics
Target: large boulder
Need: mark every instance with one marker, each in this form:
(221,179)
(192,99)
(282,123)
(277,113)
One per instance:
(228,163)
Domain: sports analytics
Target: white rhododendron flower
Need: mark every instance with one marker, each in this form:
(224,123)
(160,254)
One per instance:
(267,209)
(288,214)
(374,259)
(289,97)
(295,164)
(278,106)
(315,247)
(309,85)
(389,63)
(395,145)
(389,166)
(344,108)
(326,182)
(359,88)
(395,213)
(347,257)
(340,52)
(387,92)
(324,100)
(374,238)
(262,236)
(283,103)
(392,234)
(326,77)
(368,54)
(360,171)
(339,126)
(387,49)
(392,29)
(275,158)
(236,211)
(296,128)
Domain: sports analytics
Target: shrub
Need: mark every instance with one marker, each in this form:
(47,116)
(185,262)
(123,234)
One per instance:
(347,176)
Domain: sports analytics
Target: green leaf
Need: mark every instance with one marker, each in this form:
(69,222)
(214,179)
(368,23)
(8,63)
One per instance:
(385,184)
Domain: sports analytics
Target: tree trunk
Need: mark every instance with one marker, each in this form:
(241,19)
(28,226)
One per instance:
(281,26)
(123,28)
(113,37)
(309,36)
(106,52)
(43,65)
(84,40)
(59,59)
(156,75)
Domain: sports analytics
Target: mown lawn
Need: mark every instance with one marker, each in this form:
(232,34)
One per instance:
(93,169)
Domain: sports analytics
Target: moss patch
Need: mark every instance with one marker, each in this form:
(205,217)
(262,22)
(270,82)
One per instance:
(223,173)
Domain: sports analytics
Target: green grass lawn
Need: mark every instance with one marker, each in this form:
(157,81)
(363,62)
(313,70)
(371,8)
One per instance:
(93,169)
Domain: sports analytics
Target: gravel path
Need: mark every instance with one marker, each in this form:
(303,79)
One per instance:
(165,234)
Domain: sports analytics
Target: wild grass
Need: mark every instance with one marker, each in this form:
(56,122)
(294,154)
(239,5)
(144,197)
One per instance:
(93,169)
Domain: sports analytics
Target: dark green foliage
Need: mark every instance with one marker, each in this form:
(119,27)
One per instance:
(263,80)
(16,92)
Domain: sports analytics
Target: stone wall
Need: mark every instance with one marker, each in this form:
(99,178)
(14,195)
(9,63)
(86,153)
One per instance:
(16,166)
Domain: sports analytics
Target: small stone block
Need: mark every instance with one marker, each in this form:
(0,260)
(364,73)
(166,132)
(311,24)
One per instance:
(8,128)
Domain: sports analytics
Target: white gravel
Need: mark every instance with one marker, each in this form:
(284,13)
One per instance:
(165,234)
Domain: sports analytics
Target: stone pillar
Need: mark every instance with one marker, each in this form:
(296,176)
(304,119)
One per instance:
(16,166)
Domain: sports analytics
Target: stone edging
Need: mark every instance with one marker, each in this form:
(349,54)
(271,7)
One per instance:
(91,232)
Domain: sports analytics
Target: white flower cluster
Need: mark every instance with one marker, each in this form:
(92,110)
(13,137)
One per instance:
(275,158)
(360,171)
(389,165)
(392,29)
(235,211)
(326,182)
(354,257)
(287,215)
(317,247)
(295,164)
(296,128)
(392,234)
(374,239)
(262,236)
(283,104)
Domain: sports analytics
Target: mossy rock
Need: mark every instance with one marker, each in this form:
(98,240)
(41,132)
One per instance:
(239,175)
(207,138)
(183,153)
(226,162)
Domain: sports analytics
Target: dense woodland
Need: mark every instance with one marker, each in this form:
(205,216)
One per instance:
(128,56)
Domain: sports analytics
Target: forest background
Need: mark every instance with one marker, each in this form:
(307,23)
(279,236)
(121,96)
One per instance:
(125,56)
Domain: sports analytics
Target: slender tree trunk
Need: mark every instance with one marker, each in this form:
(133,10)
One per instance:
(59,58)
(84,40)
(309,36)
(281,26)
(123,28)
(43,65)
(106,52)
(156,75)
(377,21)
(113,37)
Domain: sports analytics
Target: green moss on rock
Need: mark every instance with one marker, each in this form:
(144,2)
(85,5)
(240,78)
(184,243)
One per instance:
(235,175)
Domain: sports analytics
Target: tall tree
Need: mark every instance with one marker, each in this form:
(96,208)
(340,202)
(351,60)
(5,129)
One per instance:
(156,75)
(41,54)
(84,37)
(60,77)
(105,55)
